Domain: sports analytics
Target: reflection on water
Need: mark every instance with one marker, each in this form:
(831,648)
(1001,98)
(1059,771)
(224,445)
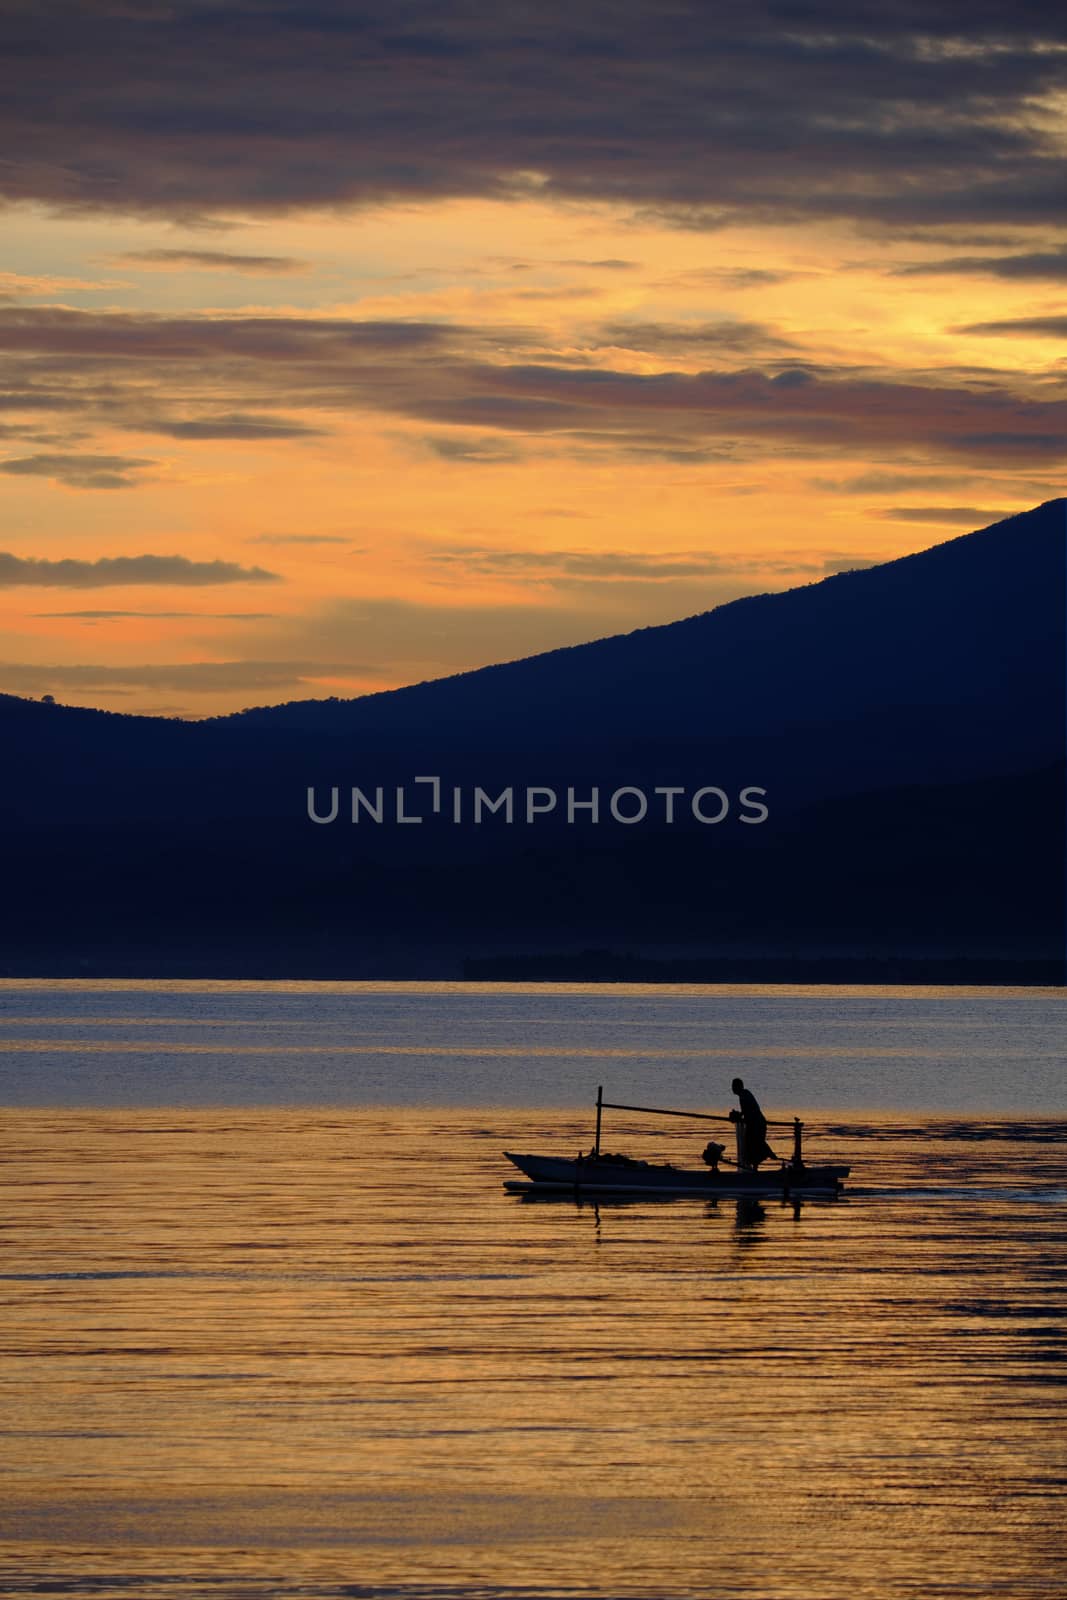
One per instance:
(258,1353)
(202,1043)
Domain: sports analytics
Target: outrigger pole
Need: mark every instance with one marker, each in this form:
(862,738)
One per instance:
(701,1116)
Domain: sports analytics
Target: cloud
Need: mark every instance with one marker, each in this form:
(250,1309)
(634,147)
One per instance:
(821,413)
(752,277)
(682,338)
(1047,265)
(969,516)
(607,264)
(890,482)
(213,261)
(300,538)
(566,292)
(1039,327)
(20,286)
(79,471)
(908,114)
(486,450)
(515,264)
(139,337)
(125,369)
(632,445)
(1020,445)
(198,677)
(600,565)
(28,395)
(111,571)
(726,277)
(212,616)
(235,425)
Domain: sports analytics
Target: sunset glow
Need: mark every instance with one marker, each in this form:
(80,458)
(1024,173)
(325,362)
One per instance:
(310,403)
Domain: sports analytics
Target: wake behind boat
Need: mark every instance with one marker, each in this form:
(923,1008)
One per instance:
(604,1173)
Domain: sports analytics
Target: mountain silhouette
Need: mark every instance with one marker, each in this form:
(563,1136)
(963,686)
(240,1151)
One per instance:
(905,723)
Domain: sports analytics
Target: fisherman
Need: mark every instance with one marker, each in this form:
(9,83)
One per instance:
(754,1146)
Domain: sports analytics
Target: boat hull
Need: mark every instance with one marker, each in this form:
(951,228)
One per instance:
(612,1175)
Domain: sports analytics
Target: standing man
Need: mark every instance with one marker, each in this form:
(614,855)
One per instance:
(754,1146)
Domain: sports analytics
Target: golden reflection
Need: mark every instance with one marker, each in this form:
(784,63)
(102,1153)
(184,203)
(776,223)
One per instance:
(285,1348)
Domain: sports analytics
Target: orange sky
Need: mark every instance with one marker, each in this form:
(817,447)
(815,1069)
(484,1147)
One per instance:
(426,433)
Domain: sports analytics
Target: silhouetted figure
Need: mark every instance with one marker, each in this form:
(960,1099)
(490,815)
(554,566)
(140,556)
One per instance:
(754,1146)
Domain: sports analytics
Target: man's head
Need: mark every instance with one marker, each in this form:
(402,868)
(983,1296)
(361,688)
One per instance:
(737,1085)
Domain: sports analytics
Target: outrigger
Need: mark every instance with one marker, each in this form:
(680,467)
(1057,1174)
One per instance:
(597,1172)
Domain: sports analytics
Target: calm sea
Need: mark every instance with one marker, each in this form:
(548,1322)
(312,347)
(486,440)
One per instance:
(271,1326)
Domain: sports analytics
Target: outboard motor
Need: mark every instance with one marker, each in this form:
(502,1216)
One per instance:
(712,1154)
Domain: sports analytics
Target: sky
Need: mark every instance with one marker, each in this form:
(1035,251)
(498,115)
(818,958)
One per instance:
(345,346)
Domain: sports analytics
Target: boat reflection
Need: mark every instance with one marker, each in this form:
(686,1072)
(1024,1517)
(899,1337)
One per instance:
(747,1210)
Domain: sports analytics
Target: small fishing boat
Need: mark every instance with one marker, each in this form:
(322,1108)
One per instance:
(598,1172)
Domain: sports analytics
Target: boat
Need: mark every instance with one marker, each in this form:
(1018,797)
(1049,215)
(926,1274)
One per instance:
(600,1172)
(616,1174)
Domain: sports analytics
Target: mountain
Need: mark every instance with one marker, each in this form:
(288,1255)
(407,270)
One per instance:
(905,724)
(965,625)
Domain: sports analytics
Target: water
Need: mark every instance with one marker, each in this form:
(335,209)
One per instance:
(232,1043)
(265,1333)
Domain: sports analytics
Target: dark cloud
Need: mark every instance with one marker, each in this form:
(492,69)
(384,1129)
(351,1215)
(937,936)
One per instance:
(797,407)
(129,370)
(1040,327)
(633,445)
(608,264)
(913,114)
(203,377)
(494,264)
(752,277)
(690,338)
(134,337)
(566,292)
(726,277)
(79,471)
(110,571)
(214,261)
(197,377)
(198,677)
(234,426)
(1047,265)
(30,396)
(891,482)
(969,516)
(1021,446)
(485,450)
